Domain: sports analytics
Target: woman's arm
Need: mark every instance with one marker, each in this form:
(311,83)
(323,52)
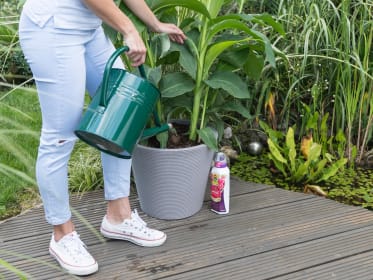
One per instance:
(143,12)
(113,16)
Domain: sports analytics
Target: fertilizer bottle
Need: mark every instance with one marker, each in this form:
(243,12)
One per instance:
(220,185)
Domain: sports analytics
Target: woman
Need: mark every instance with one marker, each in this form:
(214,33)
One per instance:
(67,50)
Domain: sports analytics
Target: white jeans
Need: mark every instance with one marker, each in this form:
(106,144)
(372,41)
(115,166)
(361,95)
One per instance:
(65,63)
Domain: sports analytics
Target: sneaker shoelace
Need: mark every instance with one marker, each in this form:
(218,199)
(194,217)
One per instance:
(75,247)
(135,216)
(139,223)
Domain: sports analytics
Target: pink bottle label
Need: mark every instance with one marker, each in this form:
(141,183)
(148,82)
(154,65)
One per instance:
(217,192)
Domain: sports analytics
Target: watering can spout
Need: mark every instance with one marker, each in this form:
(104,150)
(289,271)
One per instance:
(150,132)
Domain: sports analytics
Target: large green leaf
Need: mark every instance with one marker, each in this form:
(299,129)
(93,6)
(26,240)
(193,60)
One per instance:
(332,170)
(230,24)
(238,108)
(319,169)
(269,53)
(230,82)
(301,171)
(208,136)
(290,143)
(279,165)
(194,5)
(213,6)
(175,84)
(214,51)
(160,45)
(154,75)
(275,152)
(236,56)
(260,37)
(254,65)
(314,153)
(186,58)
(262,19)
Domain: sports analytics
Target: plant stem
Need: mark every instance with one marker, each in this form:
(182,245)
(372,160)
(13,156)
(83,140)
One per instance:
(198,90)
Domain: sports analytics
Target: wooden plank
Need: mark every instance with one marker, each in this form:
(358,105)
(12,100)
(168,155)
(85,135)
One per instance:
(223,247)
(92,203)
(288,259)
(354,267)
(200,244)
(267,228)
(248,202)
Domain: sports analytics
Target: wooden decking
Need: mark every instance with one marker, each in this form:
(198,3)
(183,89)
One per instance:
(269,234)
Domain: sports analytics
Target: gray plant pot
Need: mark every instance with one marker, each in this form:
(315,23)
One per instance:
(171,183)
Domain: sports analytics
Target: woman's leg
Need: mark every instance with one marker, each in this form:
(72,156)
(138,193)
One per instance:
(119,222)
(56,58)
(116,171)
(57,62)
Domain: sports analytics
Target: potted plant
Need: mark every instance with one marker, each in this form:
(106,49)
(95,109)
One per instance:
(199,81)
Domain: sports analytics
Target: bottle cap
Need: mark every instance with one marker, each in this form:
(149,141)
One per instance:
(220,160)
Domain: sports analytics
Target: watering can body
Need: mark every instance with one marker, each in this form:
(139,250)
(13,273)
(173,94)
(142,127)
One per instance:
(116,118)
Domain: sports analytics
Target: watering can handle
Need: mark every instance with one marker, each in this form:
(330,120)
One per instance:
(109,65)
(105,80)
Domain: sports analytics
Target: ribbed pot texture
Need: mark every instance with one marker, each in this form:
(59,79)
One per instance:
(171,183)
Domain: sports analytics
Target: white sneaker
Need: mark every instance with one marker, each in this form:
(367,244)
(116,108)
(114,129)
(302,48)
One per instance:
(133,230)
(71,253)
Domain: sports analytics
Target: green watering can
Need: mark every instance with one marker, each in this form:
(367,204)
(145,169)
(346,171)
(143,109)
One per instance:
(116,118)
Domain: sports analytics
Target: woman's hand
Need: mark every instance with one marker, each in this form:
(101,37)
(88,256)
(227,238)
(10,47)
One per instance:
(174,32)
(143,12)
(137,52)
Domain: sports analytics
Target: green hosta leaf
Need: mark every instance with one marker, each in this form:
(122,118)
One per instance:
(214,51)
(269,54)
(290,143)
(208,136)
(154,75)
(213,6)
(301,172)
(228,24)
(332,169)
(320,167)
(238,108)
(279,165)
(194,5)
(262,19)
(187,60)
(161,44)
(260,37)
(314,153)
(303,169)
(312,122)
(254,65)
(162,139)
(236,56)
(275,152)
(230,82)
(175,84)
